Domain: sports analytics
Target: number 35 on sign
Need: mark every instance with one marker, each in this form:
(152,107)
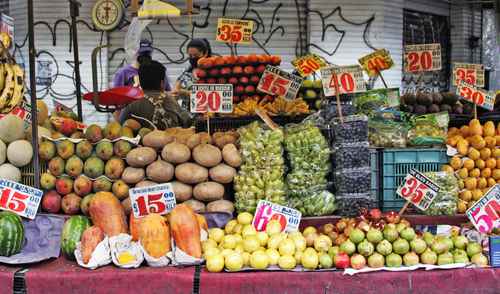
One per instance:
(234,31)
(418,189)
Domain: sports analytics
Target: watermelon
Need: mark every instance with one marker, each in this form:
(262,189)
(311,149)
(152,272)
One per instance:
(71,233)
(11,233)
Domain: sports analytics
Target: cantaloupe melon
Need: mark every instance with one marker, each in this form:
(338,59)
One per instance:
(19,153)
(11,128)
(43,111)
(10,172)
(3,152)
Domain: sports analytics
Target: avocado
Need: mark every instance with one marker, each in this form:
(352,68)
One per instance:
(450,98)
(458,109)
(419,109)
(445,107)
(437,98)
(424,99)
(433,108)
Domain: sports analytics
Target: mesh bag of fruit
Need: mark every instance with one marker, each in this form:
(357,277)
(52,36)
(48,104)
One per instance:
(387,133)
(353,180)
(429,129)
(350,204)
(446,200)
(261,175)
(353,129)
(352,155)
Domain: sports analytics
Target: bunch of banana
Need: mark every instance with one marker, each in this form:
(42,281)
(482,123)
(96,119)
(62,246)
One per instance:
(282,106)
(11,86)
(248,106)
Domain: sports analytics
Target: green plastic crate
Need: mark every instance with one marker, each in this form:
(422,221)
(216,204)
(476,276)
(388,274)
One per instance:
(396,163)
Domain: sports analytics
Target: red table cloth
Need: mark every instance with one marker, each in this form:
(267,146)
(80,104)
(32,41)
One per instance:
(7,278)
(62,276)
(457,281)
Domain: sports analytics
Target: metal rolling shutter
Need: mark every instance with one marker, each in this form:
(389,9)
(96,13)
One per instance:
(50,12)
(171,37)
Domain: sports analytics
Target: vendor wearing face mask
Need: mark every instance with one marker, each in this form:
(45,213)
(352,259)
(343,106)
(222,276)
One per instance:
(196,49)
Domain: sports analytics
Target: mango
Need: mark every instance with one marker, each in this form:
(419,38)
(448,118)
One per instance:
(112,131)
(84,149)
(489,129)
(93,133)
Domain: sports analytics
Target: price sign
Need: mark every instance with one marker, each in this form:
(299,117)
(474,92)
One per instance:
(349,79)
(308,64)
(212,98)
(20,199)
(470,73)
(376,62)
(266,211)
(234,31)
(418,189)
(275,81)
(475,95)
(485,213)
(153,199)
(423,57)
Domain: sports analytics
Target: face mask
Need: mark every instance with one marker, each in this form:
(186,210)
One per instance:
(193,61)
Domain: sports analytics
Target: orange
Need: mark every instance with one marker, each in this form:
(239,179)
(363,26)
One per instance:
(485,153)
(490,142)
(464,130)
(470,183)
(461,206)
(491,182)
(463,173)
(496,174)
(482,183)
(475,173)
(469,164)
(474,154)
(496,152)
(466,195)
(447,168)
(498,162)
(452,131)
(477,194)
(491,163)
(461,184)
(477,142)
(480,164)
(486,173)
(456,162)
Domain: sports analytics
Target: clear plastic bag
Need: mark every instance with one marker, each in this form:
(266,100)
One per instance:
(355,180)
(351,204)
(329,110)
(354,129)
(428,129)
(372,101)
(446,200)
(317,203)
(387,133)
(352,155)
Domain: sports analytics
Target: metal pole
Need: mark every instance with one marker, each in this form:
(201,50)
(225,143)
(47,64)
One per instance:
(34,112)
(74,12)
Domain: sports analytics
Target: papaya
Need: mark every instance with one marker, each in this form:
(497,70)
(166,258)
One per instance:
(485,153)
(453,131)
(154,235)
(475,128)
(456,162)
(489,129)
(91,237)
(185,230)
(133,227)
(107,213)
(473,154)
(202,222)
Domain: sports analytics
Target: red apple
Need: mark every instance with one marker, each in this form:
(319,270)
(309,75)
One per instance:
(375,214)
(239,89)
(392,217)
(233,80)
(261,68)
(244,80)
(249,89)
(221,81)
(225,71)
(342,260)
(82,186)
(64,185)
(213,72)
(51,202)
(200,73)
(254,79)
(249,69)
(237,70)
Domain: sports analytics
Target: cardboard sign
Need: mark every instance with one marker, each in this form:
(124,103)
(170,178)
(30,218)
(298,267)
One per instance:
(275,81)
(212,98)
(308,64)
(480,97)
(485,213)
(235,31)
(472,74)
(376,62)
(20,199)
(153,199)
(418,189)
(267,211)
(349,79)
(22,111)
(422,57)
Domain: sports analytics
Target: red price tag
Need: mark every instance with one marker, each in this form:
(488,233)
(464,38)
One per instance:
(275,81)
(418,189)
(153,199)
(376,62)
(234,30)
(472,74)
(485,213)
(308,64)
(212,98)
(20,199)
(349,80)
(266,211)
(424,57)
(477,96)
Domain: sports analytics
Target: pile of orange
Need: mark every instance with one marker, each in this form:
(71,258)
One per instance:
(477,164)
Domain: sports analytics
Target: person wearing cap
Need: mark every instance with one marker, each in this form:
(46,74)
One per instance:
(129,74)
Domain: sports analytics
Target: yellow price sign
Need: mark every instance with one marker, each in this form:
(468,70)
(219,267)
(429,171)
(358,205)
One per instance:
(234,31)
(308,64)
(376,62)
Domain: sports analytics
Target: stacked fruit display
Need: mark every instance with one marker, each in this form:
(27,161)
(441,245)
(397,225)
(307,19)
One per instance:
(422,103)
(77,168)
(477,163)
(15,151)
(198,166)
(243,72)
(311,91)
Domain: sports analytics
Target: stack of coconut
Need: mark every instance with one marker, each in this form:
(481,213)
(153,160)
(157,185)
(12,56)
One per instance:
(15,151)
(196,164)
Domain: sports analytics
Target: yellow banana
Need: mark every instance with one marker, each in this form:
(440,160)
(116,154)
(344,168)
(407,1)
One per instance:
(8,90)
(18,94)
(2,76)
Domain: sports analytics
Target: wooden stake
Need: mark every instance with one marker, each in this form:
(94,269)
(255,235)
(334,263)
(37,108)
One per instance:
(337,95)
(269,122)
(382,78)
(475,111)
(404,208)
(208,123)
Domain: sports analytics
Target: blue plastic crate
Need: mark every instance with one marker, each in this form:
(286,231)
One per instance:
(397,163)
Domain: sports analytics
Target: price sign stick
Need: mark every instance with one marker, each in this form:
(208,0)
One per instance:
(475,111)
(337,95)
(208,123)
(403,209)
(382,78)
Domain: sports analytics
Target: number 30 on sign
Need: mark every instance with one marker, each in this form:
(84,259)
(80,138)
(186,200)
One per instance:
(485,213)
(475,95)
(418,189)
(20,199)
(153,199)
(212,98)
(266,211)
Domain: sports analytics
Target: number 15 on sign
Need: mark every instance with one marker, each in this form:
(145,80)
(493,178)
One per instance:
(158,199)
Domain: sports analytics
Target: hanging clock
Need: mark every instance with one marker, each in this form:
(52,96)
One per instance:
(107,14)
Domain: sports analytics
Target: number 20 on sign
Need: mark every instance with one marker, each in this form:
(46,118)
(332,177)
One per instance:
(485,214)
(154,199)
(20,199)
(266,211)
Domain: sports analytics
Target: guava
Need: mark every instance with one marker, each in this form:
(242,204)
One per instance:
(348,247)
(384,247)
(365,248)
(393,260)
(473,248)
(428,257)
(410,258)
(376,260)
(390,234)
(408,234)
(418,245)
(374,236)
(460,242)
(479,259)
(356,236)
(445,258)
(400,246)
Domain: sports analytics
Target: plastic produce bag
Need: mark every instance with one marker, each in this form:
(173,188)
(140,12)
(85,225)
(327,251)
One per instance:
(261,176)
(351,204)
(352,155)
(316,203)
(329,110)
(371,101)
(355,180)
(354,129)
(428,129)
(445,202)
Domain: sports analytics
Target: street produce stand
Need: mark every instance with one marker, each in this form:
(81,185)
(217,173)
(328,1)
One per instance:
(285,182)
